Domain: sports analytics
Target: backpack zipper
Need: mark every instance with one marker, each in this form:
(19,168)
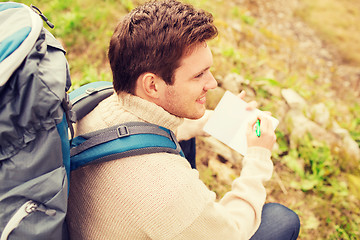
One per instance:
(25,210)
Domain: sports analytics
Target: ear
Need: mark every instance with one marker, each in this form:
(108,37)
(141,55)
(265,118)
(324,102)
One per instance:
(149,86)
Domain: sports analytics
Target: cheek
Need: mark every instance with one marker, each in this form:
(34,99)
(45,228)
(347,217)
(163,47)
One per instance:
(184,94)
(171,97)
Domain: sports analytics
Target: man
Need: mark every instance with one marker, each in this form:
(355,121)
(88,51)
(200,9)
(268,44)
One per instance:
(161,73)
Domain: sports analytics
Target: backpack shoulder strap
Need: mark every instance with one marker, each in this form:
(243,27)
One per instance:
(125,140)
(129,139)
(87,97)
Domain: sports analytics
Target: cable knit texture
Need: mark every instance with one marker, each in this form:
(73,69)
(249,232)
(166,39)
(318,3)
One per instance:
(159,196)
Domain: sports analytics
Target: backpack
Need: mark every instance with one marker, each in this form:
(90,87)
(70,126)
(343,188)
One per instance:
(37,148)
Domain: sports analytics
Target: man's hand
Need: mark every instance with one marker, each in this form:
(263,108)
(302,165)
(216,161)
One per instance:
(267,138)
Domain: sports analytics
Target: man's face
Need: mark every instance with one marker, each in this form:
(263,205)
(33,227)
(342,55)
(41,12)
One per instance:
(187,96)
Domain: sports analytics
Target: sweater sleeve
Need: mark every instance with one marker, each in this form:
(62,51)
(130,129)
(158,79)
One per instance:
(193,128)
(238,214)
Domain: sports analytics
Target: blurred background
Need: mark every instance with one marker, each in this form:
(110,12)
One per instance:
(299,59)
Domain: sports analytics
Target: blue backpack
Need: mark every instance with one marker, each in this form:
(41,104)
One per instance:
(36,116)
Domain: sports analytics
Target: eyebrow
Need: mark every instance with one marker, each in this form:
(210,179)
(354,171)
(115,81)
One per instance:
(204,70)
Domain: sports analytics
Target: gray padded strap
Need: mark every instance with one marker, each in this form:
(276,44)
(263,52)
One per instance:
(123,130)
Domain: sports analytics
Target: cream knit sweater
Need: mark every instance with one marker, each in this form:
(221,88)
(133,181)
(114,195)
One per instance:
(159,196)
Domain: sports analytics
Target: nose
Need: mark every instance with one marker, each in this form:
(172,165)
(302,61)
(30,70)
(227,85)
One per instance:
(211,82)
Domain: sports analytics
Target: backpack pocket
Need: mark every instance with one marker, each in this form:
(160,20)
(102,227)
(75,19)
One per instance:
(33,215)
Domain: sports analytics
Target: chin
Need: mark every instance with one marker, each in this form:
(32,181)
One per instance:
(193,114)
(197,115)
(193,117)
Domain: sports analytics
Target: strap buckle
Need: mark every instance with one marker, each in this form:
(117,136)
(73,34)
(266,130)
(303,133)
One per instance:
(123,131)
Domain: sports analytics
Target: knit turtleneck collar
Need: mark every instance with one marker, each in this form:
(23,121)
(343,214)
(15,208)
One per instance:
(126,107)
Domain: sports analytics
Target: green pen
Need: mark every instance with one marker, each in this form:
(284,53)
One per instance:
(257,128)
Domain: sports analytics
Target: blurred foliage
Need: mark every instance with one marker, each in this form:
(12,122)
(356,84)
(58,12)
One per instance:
(338,24)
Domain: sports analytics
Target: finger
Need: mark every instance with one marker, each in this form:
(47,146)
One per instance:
(251,123)
(251,105)
(242,94)
(266,124)
(267,113)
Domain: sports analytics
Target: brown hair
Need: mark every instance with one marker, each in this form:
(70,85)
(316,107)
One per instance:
(153,38)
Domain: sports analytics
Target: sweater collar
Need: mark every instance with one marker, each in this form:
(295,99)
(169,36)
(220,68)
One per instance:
(149,111)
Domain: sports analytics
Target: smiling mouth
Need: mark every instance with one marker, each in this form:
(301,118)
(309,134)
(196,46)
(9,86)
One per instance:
(202,99)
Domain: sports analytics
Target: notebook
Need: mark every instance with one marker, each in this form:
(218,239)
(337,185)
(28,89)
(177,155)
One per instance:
(229,121)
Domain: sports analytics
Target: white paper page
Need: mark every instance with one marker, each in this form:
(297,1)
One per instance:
(229,121)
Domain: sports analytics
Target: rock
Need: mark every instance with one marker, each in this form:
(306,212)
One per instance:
(351,149)
(293,99)
(320,114)
(298,125)
(349,146)
(341,132)
(232,82)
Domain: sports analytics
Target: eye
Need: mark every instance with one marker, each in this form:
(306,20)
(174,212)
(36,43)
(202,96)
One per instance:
(199,75)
